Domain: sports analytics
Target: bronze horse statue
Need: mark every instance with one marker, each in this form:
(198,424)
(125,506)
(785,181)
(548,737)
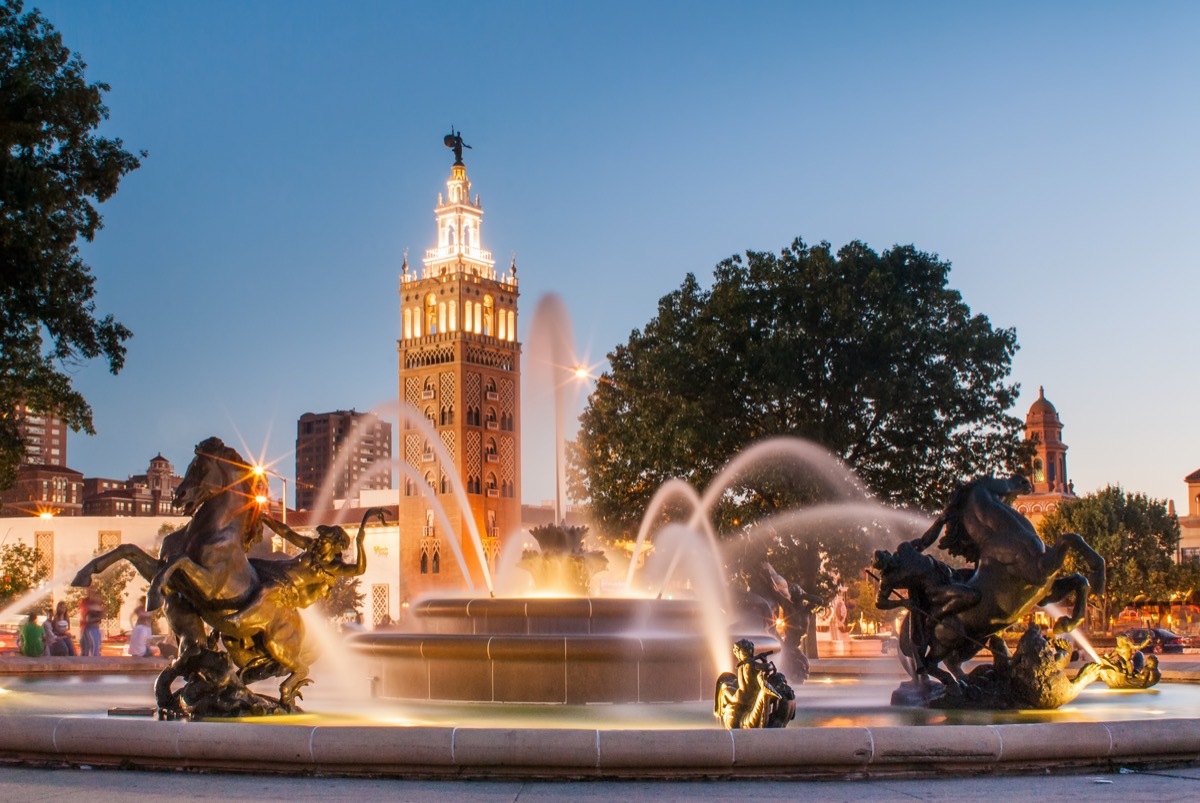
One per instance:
(960,610)
(208,586)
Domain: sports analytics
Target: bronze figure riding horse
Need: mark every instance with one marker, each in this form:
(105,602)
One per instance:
(222,494)
(1014,571)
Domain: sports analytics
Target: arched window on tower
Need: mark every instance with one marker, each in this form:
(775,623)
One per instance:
(492,488)
(468,321)
(1053,470)
(450,235)
(467,236)
(429,415)
(453,316)
(478,317)
(487,316)
(512,325)
(431,320)
(408,332)
(1039,473)
(502,325)
(429,480)
(442,317)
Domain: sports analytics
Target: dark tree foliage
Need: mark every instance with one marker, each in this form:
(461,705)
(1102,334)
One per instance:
(1136,535)
(54,171)
(344,598)
(871,355)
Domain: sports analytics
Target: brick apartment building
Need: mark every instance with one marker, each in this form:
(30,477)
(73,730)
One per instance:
(349,449)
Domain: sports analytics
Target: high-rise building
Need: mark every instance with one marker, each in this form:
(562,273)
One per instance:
(460,377)
(349,450)
(1049,475)
(44,485)
(45,437)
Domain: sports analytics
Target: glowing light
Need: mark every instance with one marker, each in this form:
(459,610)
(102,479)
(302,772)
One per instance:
(45,514)
(262,500)
(258,471)
(581,372)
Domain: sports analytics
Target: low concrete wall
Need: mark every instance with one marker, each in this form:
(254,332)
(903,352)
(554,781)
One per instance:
(537,753)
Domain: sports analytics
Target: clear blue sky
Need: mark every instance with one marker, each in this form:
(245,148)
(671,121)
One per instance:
(1049,151)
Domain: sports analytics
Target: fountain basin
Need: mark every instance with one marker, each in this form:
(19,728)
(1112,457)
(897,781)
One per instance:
(538,669)
(568,651)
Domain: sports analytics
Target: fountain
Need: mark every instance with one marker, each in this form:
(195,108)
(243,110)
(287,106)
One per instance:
(631,680)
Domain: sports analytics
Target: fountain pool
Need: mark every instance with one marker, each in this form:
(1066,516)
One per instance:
(844,729)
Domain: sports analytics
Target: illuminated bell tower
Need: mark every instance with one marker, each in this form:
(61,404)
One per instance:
(460,370)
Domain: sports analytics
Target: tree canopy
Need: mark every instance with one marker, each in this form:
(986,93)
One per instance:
(54,171)
(871,355)
(1136,535)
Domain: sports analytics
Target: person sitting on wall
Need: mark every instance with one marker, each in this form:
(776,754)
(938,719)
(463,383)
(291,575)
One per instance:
(59,640)
(139,637)
(31,638)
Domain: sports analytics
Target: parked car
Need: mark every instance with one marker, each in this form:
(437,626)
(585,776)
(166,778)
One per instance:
(1158,640)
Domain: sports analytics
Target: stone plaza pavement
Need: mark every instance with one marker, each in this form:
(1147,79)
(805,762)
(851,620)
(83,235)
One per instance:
(30,785)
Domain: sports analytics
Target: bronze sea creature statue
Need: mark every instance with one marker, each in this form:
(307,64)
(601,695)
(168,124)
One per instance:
(755,695)
(236,618)
(1126,667)
(954,613)
(1035,676)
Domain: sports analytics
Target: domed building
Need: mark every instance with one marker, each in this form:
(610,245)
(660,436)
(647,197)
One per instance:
(1051,486)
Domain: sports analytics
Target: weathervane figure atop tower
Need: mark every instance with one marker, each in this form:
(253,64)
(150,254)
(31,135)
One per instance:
(454,141)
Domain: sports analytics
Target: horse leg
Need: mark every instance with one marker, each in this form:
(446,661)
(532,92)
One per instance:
(285,643)
(1077,585)
(188,628)
(1052,560)
(146,564)
(202,578)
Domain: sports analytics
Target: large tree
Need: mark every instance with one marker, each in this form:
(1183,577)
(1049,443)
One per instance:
(54,171)
(871,355)
(1136,535)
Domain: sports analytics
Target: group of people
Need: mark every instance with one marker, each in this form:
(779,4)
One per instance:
(54,636)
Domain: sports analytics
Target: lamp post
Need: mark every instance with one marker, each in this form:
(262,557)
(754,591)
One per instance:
(580,373)
(263,470)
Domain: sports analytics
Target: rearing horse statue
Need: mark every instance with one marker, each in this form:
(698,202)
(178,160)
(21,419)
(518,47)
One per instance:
(221,493)
(1014,571)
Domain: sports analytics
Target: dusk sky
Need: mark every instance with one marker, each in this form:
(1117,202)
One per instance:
(1048,151)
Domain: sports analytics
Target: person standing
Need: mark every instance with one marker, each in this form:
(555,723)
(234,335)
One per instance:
(92,615)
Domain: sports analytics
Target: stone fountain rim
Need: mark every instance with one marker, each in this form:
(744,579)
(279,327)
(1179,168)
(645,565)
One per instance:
(467,752)
(463,752)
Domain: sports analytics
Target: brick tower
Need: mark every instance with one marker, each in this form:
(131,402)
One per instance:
(1049,476)
(460,369)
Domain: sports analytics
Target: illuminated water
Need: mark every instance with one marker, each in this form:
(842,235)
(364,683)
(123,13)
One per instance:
(824,701)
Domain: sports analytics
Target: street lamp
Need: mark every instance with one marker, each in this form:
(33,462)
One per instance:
(580,373)
(260,471)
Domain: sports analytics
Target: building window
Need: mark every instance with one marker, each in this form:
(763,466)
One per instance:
(380,603)
(44,544)
(487,316)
